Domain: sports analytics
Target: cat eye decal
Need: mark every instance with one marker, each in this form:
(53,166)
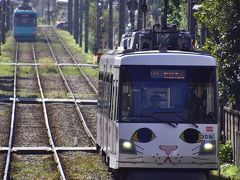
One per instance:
(143,135)
(191,136)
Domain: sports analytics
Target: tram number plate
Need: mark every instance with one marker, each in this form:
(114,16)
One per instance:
(208,136)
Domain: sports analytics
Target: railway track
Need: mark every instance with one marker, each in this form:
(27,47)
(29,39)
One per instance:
(46,128)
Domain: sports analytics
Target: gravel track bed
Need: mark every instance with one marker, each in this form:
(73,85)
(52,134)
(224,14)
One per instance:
(60,53)
(84,166)
(2,164)
(42,49)
(66,127)
(27,82)
(25,53)
(30,128)
(90,114)
(29,167)
(53,86)
(80,88)
(5,121)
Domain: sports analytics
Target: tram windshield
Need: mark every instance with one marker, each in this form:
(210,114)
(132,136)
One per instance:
(168,94)
(27,20)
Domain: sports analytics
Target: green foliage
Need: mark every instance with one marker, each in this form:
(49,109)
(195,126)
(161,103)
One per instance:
(230,171)
(225,153)
(24,71)
(7,50)
(47,66)
(6,71)
(221,17)
(71,70)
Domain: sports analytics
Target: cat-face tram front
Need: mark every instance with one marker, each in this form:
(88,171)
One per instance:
(158,109)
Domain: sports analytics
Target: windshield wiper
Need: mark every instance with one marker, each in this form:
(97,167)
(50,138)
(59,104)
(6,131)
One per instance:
(155,119)
(183,118)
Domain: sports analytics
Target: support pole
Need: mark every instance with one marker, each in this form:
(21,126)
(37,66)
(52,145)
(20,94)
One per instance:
(81,23)
(70,18)
(87,6)
(3,20)
(122,18)
(110,25)
(140,16)
(76,20)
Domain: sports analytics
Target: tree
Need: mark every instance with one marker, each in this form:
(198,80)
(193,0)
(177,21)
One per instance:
(222,19)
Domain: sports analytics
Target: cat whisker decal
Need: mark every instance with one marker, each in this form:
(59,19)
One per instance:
(195,153)
(139,152)
(139,147)
(196,148)
(137,157)
(201,159)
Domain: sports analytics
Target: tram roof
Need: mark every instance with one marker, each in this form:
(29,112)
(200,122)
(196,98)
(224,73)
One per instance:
(169,58)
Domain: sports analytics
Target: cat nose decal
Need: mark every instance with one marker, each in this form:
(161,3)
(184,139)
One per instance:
(168,149)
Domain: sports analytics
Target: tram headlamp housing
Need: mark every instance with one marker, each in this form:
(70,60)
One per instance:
(127,146)
(208,148)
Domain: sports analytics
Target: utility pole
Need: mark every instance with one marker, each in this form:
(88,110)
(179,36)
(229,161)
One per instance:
(110,25)
(81,23)
(122,18)
(99,22)
(48,14)
(165,13)
(87,6)
(140,15)
(3,16)
(0,29)
(191,20)
(132,7)
(9,13)
(70,18)
(76,20)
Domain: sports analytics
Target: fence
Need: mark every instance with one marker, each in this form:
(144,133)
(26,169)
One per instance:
(230,129)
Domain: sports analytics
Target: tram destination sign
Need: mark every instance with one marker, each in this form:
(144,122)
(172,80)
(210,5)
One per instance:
(168,74)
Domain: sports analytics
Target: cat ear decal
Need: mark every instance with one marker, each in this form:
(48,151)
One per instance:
(143,135)
(191,136)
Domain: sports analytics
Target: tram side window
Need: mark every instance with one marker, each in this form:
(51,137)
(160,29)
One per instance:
(101,90)
(105,94)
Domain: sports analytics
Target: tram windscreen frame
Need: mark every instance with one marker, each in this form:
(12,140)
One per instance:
(185,94)
(27,20)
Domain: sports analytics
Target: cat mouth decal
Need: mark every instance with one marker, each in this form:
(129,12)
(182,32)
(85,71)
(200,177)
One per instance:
(168,150)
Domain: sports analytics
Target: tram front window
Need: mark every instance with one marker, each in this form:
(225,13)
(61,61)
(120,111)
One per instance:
(27,20)
(161,94)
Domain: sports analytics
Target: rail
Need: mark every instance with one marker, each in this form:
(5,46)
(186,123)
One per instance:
(8,159)
(71,94)
(55,154)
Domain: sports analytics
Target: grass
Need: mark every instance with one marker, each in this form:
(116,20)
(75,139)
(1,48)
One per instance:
(7,50)
(6,71)
(71,70)
(88,167)
(24,71)
(227,172)
(71,44)
(90,71)
(47,66)
(40,170)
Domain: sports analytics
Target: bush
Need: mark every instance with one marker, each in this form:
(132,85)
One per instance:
(226,154)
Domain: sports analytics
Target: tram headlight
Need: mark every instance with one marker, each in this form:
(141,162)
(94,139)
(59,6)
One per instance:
(208,148)
(127,146)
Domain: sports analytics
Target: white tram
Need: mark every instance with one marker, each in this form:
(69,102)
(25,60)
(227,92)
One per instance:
(158,110)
